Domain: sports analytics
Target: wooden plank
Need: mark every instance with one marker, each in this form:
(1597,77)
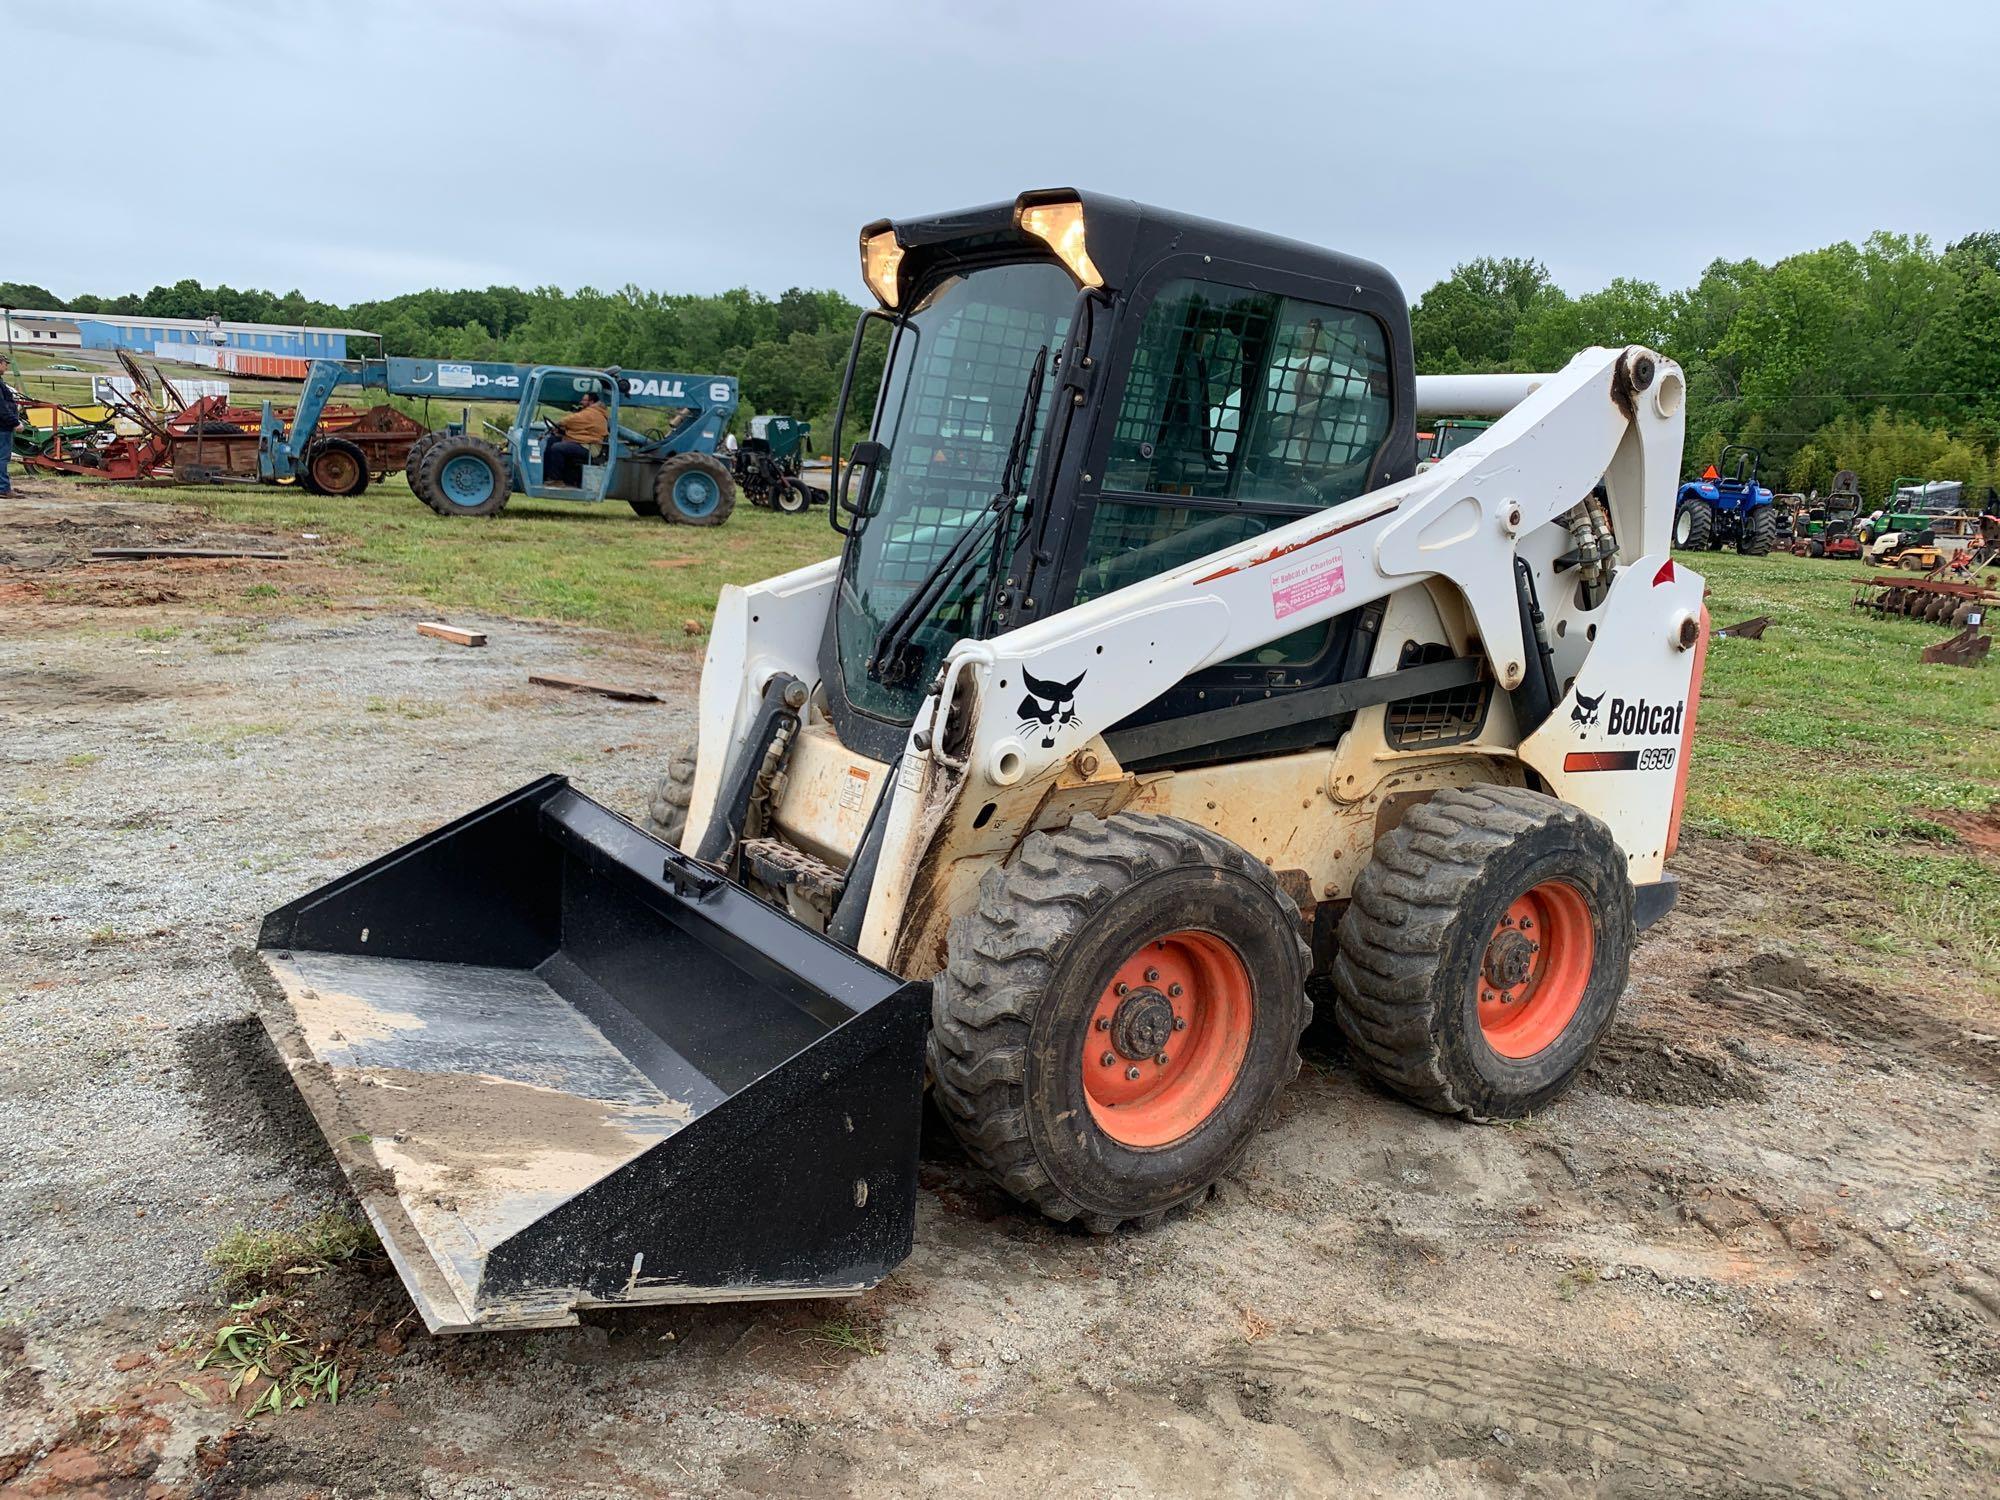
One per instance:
(582,685)
(128,553)
(456,634)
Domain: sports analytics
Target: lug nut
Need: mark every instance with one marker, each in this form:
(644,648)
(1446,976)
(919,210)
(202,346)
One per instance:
(1133,1074)
(1120,988)
(1151,975)
(1161,1059)
(1104,1023)
(1174,990)
(1108,1059)
(1180,1023)
(1526,923)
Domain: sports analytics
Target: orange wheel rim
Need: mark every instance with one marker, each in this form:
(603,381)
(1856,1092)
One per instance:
(1535,969)
(1167,1039)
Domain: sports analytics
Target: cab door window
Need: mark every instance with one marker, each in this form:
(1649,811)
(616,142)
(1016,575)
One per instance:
(1252,397)
(1242,411)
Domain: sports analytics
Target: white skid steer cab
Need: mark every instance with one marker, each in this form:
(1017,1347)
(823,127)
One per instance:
(1149,681)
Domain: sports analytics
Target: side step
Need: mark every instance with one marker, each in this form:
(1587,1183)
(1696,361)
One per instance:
(565,1066)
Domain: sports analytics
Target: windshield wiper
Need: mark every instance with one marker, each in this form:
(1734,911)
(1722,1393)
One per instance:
(892,663)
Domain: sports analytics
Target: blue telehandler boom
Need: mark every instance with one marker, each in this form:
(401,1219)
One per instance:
(673,475)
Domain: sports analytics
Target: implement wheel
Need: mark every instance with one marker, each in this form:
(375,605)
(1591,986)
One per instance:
(667,812)
(336,466)
(1694,526)
(463,476)
(1486,947)
(695,490)
(793,498)
(1117,1017)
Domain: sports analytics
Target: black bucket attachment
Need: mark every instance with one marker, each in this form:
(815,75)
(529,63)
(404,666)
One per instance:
(565,1066)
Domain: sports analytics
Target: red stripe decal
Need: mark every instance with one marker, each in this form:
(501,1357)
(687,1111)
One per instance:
(1285,551)
(1601,760)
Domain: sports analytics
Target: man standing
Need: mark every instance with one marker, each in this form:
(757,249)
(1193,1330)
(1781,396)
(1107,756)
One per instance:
(10,418)
(583,429)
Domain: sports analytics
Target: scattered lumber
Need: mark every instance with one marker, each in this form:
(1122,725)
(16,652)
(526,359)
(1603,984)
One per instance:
(456,634)
(128,554)
(584,685)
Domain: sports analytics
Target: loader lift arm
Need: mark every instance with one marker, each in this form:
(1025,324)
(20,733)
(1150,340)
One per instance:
(1612,417)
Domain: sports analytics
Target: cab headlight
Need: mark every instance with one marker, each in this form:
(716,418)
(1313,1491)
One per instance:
(1059,225)
(881,261)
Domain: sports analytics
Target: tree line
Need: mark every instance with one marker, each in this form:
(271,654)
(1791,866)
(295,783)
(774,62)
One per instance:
(1883,358)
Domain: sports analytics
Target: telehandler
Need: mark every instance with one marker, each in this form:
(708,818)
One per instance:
(674,475)
(1149,680)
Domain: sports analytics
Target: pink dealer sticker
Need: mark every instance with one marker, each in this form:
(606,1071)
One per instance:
(1305,584)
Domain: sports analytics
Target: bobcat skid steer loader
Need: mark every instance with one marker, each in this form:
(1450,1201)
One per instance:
(1149,680)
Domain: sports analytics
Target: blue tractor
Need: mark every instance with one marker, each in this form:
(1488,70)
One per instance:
(673,474)
(1726,505)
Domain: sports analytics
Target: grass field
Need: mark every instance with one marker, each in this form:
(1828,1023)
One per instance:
(597,565)
(1828,735)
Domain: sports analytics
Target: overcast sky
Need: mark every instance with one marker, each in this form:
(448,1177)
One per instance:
(361,149)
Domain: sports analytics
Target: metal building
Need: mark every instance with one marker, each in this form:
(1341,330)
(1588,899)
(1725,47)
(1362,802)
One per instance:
(31,328)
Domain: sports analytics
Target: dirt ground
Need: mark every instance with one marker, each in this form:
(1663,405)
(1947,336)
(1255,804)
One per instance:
(1753,1253)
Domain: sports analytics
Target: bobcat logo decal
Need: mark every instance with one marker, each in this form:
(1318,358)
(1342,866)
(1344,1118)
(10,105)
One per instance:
(1049,706)
(1585,712)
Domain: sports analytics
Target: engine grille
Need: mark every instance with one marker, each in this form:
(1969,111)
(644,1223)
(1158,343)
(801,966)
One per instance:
(1450,716)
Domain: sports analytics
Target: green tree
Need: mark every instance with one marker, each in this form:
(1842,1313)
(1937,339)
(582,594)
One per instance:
(1468,320)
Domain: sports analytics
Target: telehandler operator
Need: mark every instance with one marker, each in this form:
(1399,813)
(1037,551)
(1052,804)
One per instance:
(582,430)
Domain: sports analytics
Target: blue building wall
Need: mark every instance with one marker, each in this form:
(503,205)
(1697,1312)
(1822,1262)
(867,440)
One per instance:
(109,332)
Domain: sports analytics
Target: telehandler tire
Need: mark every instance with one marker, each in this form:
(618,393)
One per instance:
(1117,1017)
(1760,532)
(413,464)
(1694,526)
(667,812)
(1482,957)
(465,476)
(694,490)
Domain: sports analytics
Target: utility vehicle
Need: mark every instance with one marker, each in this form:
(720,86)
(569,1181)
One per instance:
(1149,680)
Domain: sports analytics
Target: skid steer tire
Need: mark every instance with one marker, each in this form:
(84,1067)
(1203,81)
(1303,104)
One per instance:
(1760,532)
(1694,526)
(667,812)
(1484,952)
(1067,960)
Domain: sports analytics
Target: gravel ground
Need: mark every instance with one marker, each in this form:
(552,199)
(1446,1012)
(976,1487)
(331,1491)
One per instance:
(231,767)
(1667,1285)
